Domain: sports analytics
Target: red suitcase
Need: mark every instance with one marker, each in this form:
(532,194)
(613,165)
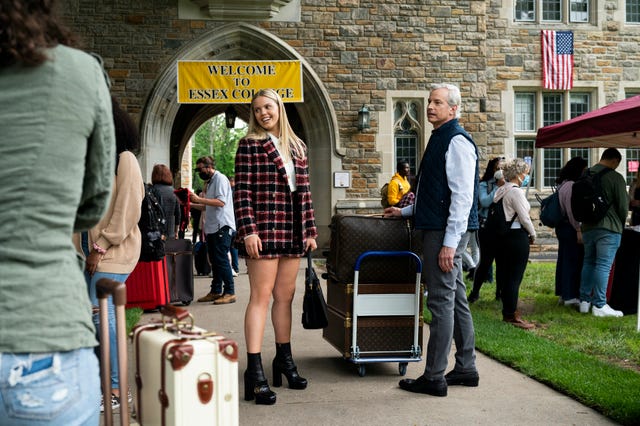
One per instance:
(148,285)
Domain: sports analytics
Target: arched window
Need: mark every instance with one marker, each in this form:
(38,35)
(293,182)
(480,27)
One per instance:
(407,127)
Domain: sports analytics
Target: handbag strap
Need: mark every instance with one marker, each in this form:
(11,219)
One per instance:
(309,262)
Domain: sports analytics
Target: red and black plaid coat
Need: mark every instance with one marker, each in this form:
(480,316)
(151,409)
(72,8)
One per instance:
(264,203)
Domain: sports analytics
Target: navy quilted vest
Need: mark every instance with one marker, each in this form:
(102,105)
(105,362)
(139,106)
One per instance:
(434,197)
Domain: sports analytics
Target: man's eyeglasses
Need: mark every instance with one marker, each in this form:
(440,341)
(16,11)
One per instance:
(199,169)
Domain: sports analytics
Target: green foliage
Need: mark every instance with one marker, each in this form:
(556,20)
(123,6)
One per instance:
(213,138)
(133,317)
(594,360)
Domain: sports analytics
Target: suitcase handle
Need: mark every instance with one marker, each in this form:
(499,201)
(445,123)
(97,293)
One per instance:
(106,287)
(411,254)
(175,315)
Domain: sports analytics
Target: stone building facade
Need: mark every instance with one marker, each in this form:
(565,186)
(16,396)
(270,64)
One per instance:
(378,53)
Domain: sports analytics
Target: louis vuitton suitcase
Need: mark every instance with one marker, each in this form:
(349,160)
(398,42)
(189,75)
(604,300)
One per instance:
(148,285)
(376,322)
(184,374)
(179,257)
(352,235)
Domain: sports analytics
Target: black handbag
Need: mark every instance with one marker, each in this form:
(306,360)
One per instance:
(314,307)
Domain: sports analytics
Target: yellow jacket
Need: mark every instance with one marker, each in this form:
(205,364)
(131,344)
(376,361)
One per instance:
(398,188)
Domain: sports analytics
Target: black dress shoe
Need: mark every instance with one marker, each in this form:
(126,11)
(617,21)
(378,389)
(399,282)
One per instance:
(436,387)
(454,378)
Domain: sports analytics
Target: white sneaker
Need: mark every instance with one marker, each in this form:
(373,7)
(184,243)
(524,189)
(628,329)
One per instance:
(571,302)
(606,311)
(584,307)
(234,273)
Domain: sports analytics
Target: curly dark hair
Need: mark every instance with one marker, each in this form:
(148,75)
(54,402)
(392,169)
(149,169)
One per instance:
(27,28)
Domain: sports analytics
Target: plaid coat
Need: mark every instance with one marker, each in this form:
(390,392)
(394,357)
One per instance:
(264,203)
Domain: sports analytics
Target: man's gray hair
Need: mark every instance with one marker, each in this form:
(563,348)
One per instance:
(454,98)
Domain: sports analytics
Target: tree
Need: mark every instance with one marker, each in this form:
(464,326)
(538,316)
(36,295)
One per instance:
(213,138)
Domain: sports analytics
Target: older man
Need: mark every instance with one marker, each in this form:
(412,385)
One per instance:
(445,207)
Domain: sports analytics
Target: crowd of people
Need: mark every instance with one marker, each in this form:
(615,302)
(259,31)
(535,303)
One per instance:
(94,190)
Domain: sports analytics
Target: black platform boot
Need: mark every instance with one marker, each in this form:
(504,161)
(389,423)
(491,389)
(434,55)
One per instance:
(255,383)
(283,364)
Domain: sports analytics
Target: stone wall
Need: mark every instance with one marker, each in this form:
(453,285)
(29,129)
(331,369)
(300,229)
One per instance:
(361,49)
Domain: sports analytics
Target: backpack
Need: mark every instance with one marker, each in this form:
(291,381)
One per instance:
(152,226)
(496,222)
(550,211)
(588,204)
(384,193)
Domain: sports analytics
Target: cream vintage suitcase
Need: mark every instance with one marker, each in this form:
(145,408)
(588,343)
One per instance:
(184,374)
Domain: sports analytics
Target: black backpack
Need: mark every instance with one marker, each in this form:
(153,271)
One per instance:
(152,226)
(496,222)
(588,203)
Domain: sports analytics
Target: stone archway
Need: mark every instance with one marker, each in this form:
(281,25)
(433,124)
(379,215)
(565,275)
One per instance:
(166,125)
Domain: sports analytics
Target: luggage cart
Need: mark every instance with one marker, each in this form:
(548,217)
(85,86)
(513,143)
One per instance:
(386,304)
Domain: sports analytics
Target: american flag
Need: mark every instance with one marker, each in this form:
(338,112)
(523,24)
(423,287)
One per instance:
(557,59)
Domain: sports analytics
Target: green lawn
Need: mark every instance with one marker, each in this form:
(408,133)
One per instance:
(594,360)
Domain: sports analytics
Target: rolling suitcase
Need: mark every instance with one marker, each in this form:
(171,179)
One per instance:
(351,235)
(148,285)
(106,287)
(377,322)
(184,374)
(201,259)
(179,256)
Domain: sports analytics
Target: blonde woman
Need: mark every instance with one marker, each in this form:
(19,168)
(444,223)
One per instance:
(513,253)
(275,227)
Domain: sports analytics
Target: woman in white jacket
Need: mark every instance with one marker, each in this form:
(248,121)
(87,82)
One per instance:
(512,254)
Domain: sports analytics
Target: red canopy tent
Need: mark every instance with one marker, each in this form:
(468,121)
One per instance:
(616,125)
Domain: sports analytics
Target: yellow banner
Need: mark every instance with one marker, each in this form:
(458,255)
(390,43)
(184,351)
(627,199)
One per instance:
(235,82)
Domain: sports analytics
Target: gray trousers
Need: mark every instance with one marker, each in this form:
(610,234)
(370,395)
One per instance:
(451,317)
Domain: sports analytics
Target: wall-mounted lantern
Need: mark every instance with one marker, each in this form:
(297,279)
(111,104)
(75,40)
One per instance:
(230,115)
(363,118)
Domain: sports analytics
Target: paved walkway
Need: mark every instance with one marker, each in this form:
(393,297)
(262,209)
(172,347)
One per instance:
(338,395)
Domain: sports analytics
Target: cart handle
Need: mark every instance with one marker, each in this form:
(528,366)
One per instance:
(390,254)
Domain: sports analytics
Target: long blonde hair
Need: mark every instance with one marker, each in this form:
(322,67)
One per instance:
(290,143)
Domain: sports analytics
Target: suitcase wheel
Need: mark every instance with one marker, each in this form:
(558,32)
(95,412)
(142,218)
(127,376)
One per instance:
(362,370)
(402,368)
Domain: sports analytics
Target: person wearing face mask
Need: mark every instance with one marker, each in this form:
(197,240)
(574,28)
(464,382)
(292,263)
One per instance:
(219,228)
(492,179)
(513,253)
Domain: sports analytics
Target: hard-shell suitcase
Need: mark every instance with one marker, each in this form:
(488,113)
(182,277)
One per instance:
(179,256)
(201,259)
(104,288)
(148,285)
(351,235)
(184,374)
(377,322)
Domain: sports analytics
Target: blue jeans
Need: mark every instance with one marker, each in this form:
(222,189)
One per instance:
(57,388)
(600,247)
(111,309)
(234,254)
(218,245)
